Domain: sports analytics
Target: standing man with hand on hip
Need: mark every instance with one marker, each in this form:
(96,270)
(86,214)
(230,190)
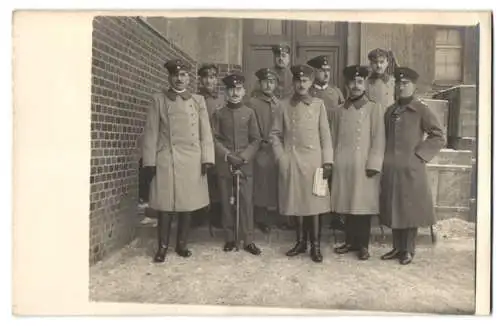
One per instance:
(406,202)
(302,143)
(237,139)
(178,150)
(358,142)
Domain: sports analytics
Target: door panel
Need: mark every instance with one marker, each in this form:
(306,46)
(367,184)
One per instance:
(259,36)
(306,53)
(326,32)
(260,56)
(306,39)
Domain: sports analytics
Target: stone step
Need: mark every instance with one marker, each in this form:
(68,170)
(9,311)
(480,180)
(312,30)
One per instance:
(450,156)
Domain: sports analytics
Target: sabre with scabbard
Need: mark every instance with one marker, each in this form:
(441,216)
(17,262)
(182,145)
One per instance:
(235,201)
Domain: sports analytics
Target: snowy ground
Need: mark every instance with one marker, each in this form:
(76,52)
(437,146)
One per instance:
(440,280)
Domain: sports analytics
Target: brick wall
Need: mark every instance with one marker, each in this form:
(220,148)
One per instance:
(127,67)
(224,70)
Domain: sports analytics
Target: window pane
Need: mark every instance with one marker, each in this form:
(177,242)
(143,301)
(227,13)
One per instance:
(454,37)
(441,36)
(448,37)
(313,28)
(260,27)
(327,28)
(440,56)
(448,63)
(275,27)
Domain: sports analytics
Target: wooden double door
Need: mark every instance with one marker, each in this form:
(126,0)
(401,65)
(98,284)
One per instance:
(307,39)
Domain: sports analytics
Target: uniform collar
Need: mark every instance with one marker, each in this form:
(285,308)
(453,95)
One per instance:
(232,105)
(385,77)
(410,103)
(172,94)
(321,87)
(269,99)
(358,102)
(296,99)
(206,93)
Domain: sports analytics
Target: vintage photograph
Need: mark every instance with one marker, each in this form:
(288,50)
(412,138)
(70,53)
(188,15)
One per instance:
(282,163)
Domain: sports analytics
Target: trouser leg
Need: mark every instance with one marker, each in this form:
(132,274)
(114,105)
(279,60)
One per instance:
(225,186)
(246,210)
(411,239)
(163,233)
(183,228)
(363,230)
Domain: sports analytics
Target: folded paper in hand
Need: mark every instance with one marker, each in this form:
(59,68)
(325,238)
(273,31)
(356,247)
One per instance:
(320,185)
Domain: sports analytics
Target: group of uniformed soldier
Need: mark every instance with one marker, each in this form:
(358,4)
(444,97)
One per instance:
(370,147)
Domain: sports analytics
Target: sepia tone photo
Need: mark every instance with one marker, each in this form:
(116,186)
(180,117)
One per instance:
(284,162)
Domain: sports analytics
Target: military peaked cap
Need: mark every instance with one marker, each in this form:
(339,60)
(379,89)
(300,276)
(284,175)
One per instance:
(281,48)
(208,69)
(375,53)
(233,80)
(301,71)
(266,73)
(319,62)
(175,65)
(354,71)
(405,72)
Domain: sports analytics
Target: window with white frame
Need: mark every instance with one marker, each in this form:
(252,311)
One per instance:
(448,55)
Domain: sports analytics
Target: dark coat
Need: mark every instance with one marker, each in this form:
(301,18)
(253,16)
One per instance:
(406,198)
(214,102)
(285,82)
(235,131)
(331,96)
(265,166)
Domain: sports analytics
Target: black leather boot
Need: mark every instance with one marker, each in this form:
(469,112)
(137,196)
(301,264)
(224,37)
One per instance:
(163,229)
(183,226)
(315,236)
(301,235)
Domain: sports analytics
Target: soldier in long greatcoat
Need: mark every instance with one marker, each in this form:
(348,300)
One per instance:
(380,84)
(265,104)
(208,89)
(406,199)
(358,142)
(237,139)
(332,97)
(302,143)
(178,150)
